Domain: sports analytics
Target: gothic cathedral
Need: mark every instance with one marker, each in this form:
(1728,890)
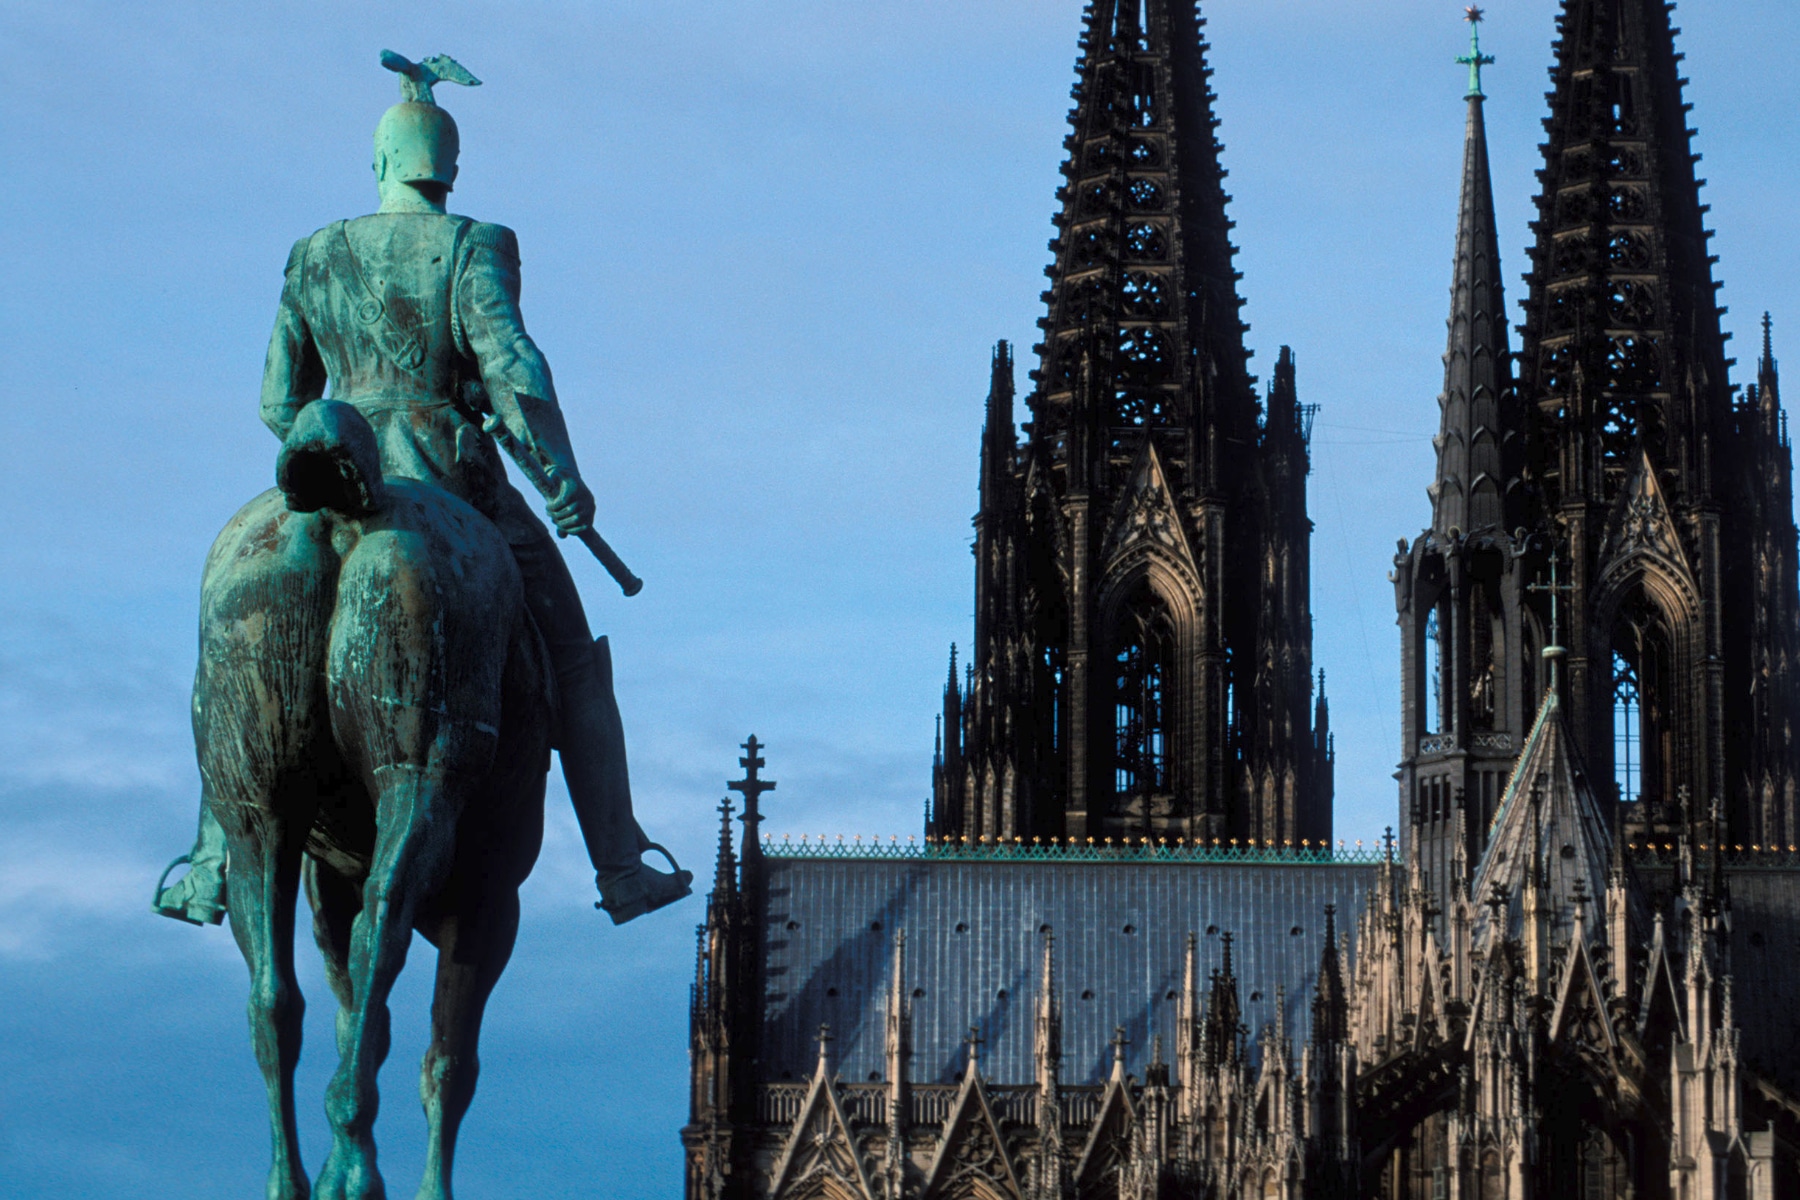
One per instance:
(1128,961)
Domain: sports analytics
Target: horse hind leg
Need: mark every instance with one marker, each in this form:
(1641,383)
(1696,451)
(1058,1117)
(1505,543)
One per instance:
(420,765)
(475,920)
(336,899)
(473,948)
(264,812)
(412,853)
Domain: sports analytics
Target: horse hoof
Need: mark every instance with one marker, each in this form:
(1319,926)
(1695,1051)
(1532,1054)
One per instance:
(356,1180)
(289,1188)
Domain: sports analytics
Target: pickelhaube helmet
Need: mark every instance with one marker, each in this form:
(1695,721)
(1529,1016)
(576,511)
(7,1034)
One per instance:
(417,138)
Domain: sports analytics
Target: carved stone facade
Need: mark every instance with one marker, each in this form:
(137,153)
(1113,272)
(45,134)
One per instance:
(1592,1021)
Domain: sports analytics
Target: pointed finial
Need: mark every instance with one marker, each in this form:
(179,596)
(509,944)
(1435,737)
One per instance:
(973,1041)
(952,683)
(1499,902)
(723,871)
(1119,1043)
(824,1040)
(1475,59)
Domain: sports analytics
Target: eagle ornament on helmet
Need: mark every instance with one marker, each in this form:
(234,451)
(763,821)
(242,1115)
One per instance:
(416,141)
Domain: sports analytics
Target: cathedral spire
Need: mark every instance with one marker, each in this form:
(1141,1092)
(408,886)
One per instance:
(1621,291)
(1145,457)
(1768,377)
(1476,434)
(725,869)
(1143,277)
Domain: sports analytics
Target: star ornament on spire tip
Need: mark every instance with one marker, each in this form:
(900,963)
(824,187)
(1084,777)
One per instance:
(1475,59)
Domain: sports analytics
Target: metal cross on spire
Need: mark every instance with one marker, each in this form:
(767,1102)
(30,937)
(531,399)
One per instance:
(1475,59)
(752,789)
(1555,651)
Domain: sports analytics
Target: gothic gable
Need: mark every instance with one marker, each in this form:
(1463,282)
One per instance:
(1641,532)
(820,1160)
(1108,1153)
(1145,522)
(971,1161)
(1549,823)
(1579,1018)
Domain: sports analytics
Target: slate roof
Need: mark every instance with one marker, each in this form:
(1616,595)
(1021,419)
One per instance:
(1563,828)
(974,950)
(1765,965)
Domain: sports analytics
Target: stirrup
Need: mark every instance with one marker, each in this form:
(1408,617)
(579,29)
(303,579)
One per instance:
(629,893)
(191,912)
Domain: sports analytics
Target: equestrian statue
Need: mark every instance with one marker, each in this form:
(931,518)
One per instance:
(390,647)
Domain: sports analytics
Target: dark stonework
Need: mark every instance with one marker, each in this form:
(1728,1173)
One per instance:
(1127,962)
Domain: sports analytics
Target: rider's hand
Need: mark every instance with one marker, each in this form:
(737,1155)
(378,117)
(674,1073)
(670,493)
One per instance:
(572,508)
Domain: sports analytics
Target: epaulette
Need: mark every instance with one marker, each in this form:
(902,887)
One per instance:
(494,237)
(296,256)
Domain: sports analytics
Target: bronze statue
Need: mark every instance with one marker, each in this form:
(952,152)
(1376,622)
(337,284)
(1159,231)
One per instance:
(390,646)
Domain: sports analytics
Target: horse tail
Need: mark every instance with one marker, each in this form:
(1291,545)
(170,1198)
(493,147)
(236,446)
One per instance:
(330,461)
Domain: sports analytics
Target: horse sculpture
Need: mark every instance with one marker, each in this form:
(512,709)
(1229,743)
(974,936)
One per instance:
(372,714)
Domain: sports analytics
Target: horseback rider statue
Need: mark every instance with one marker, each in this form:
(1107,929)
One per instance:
(411,316)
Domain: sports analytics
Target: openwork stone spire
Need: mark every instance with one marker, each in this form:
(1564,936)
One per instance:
(1142,284)
(1622,343)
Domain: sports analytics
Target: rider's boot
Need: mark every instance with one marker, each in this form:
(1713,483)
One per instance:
(198,897)
(592,746)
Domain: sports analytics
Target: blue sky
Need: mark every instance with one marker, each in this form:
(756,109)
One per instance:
(767,249)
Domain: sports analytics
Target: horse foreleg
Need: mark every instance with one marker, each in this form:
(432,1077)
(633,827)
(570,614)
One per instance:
(473,949)
(265,858)
(416,823)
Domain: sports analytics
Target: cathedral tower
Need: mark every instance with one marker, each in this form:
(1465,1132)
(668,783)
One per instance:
(1617,524)
(1669,504)
(1142,663)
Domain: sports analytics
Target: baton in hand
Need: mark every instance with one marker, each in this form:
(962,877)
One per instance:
(535,471)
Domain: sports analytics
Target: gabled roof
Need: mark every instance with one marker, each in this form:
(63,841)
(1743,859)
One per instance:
(1548,825)
(975,947)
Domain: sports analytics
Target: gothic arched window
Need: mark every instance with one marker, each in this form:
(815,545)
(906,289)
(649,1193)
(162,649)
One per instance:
(1643,696)
(1143,675)
(1055,682)
(1628,732)
(1431,651)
